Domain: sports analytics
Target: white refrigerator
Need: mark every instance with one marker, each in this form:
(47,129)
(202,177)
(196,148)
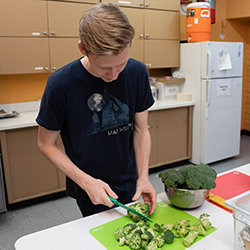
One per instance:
(213,72)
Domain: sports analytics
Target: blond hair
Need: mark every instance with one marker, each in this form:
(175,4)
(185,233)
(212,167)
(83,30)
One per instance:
(105,30)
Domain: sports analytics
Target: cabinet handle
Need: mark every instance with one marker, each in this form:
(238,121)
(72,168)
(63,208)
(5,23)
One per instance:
(147,4)
(46,68)
(45,33)
(148,126)
(148,64)
(141,35)
(54,68)
(141,4)
(52,32)
(147,35)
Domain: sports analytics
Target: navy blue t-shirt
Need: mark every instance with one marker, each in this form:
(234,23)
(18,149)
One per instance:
(96,120)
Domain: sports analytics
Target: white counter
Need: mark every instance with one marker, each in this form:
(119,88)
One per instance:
(75,235)
(27,115)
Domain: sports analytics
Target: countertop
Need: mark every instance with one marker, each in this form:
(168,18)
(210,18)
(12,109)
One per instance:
(27,117)
(75,235)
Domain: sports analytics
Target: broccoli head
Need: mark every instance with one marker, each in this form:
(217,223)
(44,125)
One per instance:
(192,177)
(169,236)
(200,176)
(128,228)
(141,208)
(198,227)
(172,177)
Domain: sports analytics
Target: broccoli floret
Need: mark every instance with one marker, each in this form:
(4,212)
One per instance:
(159,240)
(190,238)
(169,236)
(147,236)
(172,177)
(152,245)
(135,241)
(157,227)
(201,176)
(122,241)
(182,227)
(141,208)
(119,234)
(128,228)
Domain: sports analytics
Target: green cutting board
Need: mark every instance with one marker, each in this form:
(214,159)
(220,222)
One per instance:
(163,214)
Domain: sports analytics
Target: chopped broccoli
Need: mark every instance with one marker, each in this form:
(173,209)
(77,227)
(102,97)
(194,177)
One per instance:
(172,177)
(169,226)
(191,177)
(198,227)
(144,244)
(159,239)
(141,208)
(157,227)
(128,228)
(147,236)
(190,238)
(122,241)
(135,241)
(169,236)
(152,245)
(119,233)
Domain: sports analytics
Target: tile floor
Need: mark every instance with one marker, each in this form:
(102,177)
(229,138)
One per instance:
(17,223)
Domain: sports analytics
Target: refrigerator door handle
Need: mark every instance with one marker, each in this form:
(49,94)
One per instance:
(208,63)
(207,97)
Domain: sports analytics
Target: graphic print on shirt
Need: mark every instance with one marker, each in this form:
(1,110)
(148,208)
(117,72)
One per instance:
(109,114)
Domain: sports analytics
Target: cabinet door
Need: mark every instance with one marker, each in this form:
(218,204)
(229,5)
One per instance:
(64,18)
(137,50)
(169,27)
(163,4)
(162,53)
(127,3)
(152,126)
(27,173)
(173,135)
(23,18)
(136,17)
(63,51)
(81,1)
(23,55)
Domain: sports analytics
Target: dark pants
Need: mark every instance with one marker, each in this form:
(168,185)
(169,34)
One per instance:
(88,208)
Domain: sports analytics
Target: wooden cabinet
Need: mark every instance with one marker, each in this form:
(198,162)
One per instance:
(163,4)
(27,173)
(157,31)
(23,18)
(171,133)
(131,3)
(40,55)
(162,53)
(21,55)
(238,9)
(64,18)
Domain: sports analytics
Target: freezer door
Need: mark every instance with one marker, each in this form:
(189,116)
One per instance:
(220,119)
(221,59)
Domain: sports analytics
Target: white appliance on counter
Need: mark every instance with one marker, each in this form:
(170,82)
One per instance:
(213,72)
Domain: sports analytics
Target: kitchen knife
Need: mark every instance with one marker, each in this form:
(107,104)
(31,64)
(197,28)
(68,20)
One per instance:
(129,209)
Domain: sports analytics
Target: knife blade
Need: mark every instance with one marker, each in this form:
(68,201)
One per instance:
(129,209)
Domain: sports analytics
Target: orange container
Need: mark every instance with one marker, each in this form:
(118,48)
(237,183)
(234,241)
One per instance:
(198,22)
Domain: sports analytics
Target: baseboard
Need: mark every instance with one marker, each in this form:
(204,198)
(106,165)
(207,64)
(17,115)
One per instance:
(245,132)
